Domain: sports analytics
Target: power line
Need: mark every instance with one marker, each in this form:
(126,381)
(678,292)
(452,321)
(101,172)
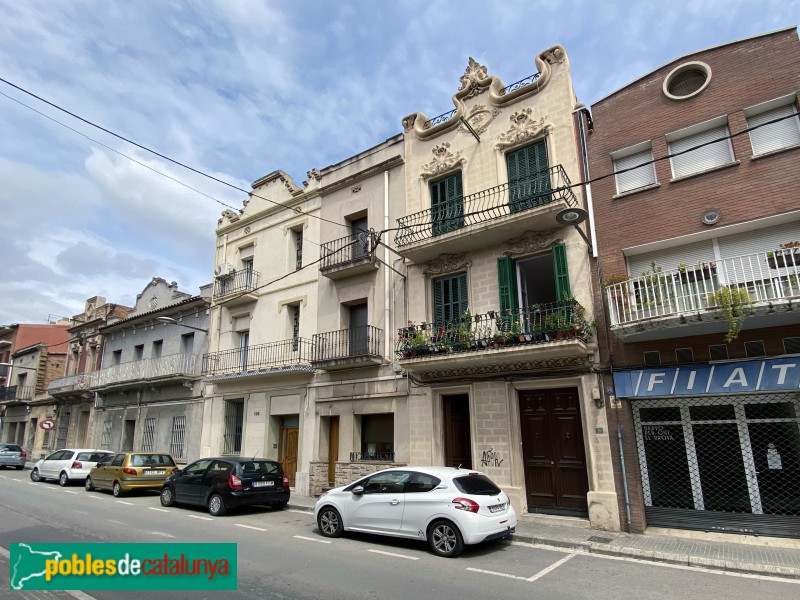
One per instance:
(165,157)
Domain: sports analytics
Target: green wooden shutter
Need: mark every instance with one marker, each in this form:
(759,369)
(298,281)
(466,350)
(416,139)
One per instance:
(438,301)
(450,299)
(507,284)
(447,205)
(528,177)
(561,272)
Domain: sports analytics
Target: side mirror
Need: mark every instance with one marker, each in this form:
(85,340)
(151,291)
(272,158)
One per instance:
(358,490)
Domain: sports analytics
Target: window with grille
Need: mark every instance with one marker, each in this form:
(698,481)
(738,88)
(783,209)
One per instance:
(450,298)
(447,204)
(754,349)
(718,352)
(298,248)
(684,356)
(149,435)
(652,358)
(767,136)
(176,445)
(700,148)
(234,422)
(294,312)
(634,168)
(108,427)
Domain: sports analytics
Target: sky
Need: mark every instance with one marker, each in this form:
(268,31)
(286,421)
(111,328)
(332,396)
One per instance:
(240,88)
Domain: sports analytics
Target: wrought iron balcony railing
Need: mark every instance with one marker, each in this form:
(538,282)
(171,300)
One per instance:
(765,277)
(442,118)
(244,280)
(70,383)
(519,84)
(502,200)
(174,365)
(538,324)
(372,456)
(348,343)
(344,251)
(274,356)
(17,392)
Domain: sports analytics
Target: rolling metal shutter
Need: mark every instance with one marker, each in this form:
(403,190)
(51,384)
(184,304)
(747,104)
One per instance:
(669,258)
(704,158)
(774,136)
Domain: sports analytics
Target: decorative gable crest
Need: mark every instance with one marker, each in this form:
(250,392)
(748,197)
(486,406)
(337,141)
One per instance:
(474,79)
(479,118)
(523,128)
(443,161)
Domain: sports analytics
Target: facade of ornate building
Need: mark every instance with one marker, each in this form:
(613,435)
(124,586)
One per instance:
(500,345)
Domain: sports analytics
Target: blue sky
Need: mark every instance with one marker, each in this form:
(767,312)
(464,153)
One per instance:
(241,88)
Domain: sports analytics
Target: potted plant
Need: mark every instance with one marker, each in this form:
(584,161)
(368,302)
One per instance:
(787,256)
(701,271)
(731,301)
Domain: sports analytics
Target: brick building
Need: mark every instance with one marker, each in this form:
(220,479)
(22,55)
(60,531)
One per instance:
(698,234)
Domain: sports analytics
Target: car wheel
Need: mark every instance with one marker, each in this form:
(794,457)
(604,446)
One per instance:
(167,497)
(116,489)
(216,506)
(88,484)
(445,539)
(329,522)
(35,475)
(63,480)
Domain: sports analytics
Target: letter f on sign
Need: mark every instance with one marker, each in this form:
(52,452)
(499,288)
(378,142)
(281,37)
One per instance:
(655,379)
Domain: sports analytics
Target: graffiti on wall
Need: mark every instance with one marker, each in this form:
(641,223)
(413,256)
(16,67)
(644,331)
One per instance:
(490,458)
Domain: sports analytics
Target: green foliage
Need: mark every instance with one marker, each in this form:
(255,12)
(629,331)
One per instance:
(731,301)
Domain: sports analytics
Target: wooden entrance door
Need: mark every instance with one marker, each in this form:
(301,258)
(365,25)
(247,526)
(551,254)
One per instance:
(552,451)
(287,454)
(333,448)
(457,444)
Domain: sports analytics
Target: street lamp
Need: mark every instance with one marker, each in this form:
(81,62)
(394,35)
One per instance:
(575,216)
(170,321)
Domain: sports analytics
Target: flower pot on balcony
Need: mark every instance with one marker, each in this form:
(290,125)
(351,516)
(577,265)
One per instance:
(784,258)
(704,272)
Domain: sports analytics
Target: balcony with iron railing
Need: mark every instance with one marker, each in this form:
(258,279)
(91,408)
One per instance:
(286,356)
(70,384)
(348,347)
(347,256)
(764,288)
(238,287)
(554,330)
(179,367)
(17,393)
(488,217)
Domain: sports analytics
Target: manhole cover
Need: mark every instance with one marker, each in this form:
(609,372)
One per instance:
(600,540)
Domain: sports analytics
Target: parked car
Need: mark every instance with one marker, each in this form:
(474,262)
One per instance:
(228,482)
(447,506)
(128,471)
(12,455)
(67,464)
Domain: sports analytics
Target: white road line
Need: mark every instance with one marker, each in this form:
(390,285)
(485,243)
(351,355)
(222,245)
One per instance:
(123,502)
(301,537)
(249,527)
(552,567)
(199,517)
(157,509)
(394,554)
(69,492)
(96,497)
(496,573)
(302,512)
(4,477)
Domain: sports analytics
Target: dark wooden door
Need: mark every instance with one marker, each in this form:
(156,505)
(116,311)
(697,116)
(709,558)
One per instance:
(288,452)
(552,450)
(457,444)
(333,449)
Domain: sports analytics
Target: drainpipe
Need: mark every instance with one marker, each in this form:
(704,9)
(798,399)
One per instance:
(387,297)
(580,109)
(624,478)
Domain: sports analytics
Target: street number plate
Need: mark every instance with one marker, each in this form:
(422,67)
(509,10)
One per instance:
(263,483)
(154,472)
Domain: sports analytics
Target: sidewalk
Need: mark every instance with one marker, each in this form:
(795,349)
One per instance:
(723,556)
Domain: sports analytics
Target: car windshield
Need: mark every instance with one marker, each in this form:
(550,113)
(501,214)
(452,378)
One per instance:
(152,460)
(10,448)
(91,456)
(478,485)
(260,467)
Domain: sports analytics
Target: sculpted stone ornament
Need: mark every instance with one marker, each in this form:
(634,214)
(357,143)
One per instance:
(443,161)
(523,128)
(314,174)
(447,263)
(555,55)
(531,241)
(479,118)
(473,81)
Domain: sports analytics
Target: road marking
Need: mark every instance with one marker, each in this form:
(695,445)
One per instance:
(4,477)
(249,527)
(199,517)
(95,497)
(157,509)
(301,537)
(394,554)
(123,502)
(115,522)
(69,492)
(302,512)
(538,575)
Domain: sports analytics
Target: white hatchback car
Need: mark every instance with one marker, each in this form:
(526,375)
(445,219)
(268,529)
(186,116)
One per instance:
(447,506)
(68,464)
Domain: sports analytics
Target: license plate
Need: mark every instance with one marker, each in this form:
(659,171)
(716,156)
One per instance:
(263,484)
(497,508)
(154,472)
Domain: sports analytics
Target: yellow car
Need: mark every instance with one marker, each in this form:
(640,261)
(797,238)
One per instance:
(128,471)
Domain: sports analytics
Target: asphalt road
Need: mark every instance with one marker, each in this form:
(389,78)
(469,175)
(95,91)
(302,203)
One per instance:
(281,555)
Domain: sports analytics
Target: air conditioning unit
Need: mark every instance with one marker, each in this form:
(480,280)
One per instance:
(224,269)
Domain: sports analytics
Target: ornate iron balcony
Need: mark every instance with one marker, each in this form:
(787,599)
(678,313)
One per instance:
(514,197)
(442,118)
(174,365)
(344,251)
(537,324)
(519,84)
(274,356)
(244,280)
(348,343)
